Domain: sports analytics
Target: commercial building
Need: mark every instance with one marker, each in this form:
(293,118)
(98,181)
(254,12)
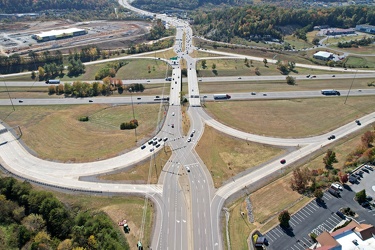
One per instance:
(365,28)
(58,34)
(335,32)
(351,237)
(323,55)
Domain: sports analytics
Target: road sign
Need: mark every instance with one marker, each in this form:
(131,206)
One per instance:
(173,58)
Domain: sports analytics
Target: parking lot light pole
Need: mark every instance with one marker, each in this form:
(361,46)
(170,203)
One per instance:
(131,98)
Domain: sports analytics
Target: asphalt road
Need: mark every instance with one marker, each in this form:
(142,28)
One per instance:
(188,207)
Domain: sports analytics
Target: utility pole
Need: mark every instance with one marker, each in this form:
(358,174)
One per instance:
(131,97)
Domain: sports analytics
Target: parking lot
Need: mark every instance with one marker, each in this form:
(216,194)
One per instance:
(318,217)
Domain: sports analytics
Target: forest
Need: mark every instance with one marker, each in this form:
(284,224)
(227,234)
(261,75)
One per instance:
(33,219)
(162,5)
(19,6)
(249,21)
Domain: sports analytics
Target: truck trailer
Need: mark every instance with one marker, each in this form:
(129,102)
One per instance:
(57,81)
(222,96)
(330,92)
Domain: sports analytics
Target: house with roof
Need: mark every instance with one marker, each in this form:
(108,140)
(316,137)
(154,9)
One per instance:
(354,236)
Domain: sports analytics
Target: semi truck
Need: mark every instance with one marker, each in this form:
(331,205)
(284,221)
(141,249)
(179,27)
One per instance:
(57,81)
(222,96)
(330,92)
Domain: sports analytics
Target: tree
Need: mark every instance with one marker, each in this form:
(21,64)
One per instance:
(204,64)
(361,196)
(368,138)
(318,193)
(290,80)
(329,159)
(265,62)
(343,177)
(213,66)
(300,180)
(41,72)
(284,218)
(33,75)
(315,41)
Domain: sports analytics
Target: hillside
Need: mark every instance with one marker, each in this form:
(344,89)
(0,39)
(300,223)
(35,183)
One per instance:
(161,5)
(24,6)
(253,21)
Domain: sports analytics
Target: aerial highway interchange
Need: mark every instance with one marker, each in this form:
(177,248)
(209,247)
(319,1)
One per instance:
(188,208)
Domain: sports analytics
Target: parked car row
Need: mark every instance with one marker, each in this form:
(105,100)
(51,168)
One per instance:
(358,174)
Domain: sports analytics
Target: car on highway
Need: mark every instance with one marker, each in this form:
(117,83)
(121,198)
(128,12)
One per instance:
(264,94)
(283,161)
(165,139)
(331,137)
(188,169)
(172,125)
(239,78)
(192,134)
(90,101)
(307,76)
(143,147)
(160,139)
(173,114)
(138,98)
(358,122)
(20,101)
(333,76)
(151,149)
(150,142)
(253,93)
(157,145)
(189,140)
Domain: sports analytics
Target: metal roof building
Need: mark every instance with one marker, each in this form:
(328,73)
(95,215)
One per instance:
(323,55)
(58,34)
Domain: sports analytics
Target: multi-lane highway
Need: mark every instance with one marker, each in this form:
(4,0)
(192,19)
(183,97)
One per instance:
(187,205)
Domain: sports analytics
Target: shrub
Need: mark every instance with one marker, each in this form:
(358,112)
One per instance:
(84,119)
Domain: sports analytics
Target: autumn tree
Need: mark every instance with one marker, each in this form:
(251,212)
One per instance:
(300,179)
(343,177)
(368,138)
(284,218)
(41,72)
(318,193)
(329,159)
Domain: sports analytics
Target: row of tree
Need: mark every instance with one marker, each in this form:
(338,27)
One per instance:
(249,21)
(355,43)
(34,219)
(20,6)
(85,89)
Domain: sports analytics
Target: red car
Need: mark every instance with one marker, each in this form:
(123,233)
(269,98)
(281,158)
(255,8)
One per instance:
(283,161)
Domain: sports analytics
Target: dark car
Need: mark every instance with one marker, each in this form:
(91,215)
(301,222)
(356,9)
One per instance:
(283,161)
(341,215)
(90,100)
(143,147)
(358,122)
(365,170)
(331,137)
(138,98)
(172,125)
(157,145)
(150,142)
(20,101)
(160,139)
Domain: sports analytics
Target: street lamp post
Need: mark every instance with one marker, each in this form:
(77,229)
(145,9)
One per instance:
(131,97)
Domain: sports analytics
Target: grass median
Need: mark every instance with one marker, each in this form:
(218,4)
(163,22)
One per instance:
(55,133)
(139,174)
(226,156)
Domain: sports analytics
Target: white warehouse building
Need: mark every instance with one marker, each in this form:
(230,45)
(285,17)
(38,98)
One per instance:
(323,55)
(58,34)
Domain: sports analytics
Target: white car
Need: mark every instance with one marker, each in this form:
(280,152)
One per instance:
(188,169)
(337,186)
